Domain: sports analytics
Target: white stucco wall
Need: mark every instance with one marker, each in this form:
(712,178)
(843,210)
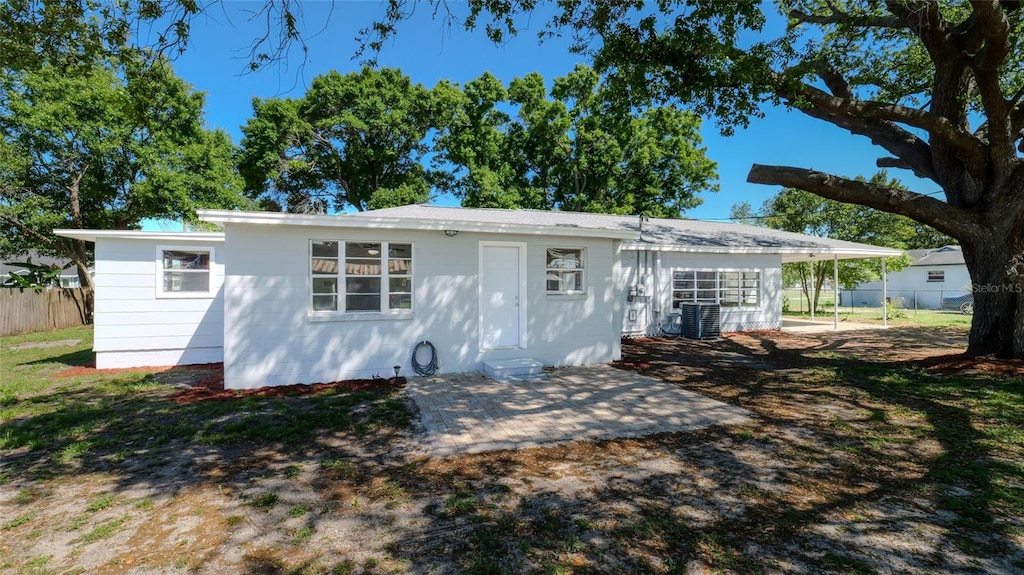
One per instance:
(134,327)
(271,338)
(654,270)
(911,284)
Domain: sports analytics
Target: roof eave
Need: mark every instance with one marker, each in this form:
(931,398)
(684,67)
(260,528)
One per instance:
(93,235)
(808,252)
(402,223)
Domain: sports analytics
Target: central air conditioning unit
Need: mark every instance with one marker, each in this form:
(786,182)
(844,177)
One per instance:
(701,320)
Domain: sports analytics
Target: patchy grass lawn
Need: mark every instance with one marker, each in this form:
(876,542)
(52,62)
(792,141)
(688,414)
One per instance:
(897,317)
(871,452)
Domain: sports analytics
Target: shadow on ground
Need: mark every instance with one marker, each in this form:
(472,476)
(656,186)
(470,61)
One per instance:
(859,461)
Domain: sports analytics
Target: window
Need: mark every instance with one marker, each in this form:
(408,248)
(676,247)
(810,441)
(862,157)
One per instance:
(184,272)
(729,289)
(565,270)
(361,276)
(936,275)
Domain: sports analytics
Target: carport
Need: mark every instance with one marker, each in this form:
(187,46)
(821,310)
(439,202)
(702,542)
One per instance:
(838,250)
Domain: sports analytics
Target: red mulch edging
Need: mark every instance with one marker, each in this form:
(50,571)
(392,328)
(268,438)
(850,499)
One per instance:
(208,383)
(90,369)
(207,390)
(960,362)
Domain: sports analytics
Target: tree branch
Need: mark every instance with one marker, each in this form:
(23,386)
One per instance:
(899,163)
(847,19)
(27,230)
(937,126)
(923,18)
(914,151)
(991,28)
(834,80)
(927,210)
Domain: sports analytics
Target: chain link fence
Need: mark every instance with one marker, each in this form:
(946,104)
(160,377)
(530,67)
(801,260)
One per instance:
(794,300)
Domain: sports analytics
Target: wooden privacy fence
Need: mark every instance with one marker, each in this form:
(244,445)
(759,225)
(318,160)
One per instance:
(26,310)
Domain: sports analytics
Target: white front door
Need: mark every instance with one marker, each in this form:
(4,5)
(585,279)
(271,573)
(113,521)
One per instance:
(501,311)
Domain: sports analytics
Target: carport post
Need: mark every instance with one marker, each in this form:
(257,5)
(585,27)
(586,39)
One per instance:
(885,298)
(810,297)
(835,291)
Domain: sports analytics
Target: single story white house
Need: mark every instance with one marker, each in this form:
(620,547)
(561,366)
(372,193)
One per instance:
(933,274)
(294,298)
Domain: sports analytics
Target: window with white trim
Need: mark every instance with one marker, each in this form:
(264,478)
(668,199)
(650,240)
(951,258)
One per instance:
(359,277)
(726,288)
(184,272)
(936,275)
(565,269)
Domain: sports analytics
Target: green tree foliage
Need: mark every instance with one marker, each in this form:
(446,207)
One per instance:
(104,147)
(794,210)
(574,148)
(356,140)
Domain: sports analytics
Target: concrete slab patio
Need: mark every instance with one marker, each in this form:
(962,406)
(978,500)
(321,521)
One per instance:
(471,413)
(817,326)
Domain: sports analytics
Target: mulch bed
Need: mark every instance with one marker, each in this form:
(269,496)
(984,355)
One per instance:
(206,382)
(90,369)
(959,363)
(212,389)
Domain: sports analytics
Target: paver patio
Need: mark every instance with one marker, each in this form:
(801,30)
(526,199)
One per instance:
(471,413)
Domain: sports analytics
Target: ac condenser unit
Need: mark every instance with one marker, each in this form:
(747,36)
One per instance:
(701,320)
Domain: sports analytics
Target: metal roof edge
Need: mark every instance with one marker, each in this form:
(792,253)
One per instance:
(93,235)
(402,223)
(850,252)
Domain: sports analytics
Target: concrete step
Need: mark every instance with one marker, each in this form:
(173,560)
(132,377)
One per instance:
(533,378)
(502,369)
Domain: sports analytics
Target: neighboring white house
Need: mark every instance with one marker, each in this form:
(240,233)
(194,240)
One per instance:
(294,298)
(68,275)
(934,274)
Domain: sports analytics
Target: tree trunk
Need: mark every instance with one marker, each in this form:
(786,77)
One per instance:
(997,327)
(81,256)
(81,260)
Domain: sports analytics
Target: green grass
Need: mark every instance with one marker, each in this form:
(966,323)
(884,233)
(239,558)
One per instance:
(898,317)
(106,529)
(301,536)
(298,511)
(98,419)
(978,420)
(265,501)
(100,503)
(19,520)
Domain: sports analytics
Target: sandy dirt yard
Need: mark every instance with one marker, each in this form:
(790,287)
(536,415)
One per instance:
(869,452)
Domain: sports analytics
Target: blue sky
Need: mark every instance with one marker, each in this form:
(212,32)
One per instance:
(218,53)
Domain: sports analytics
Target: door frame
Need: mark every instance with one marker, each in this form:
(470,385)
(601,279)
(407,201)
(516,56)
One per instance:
(521,246)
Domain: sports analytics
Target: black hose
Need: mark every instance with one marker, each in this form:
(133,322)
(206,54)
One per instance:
(431,367)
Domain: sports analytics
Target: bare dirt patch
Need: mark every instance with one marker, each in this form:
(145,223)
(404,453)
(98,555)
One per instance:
(44,344)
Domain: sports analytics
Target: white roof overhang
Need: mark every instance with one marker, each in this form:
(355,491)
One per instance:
(367,221)
(789,254)
(93,235)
